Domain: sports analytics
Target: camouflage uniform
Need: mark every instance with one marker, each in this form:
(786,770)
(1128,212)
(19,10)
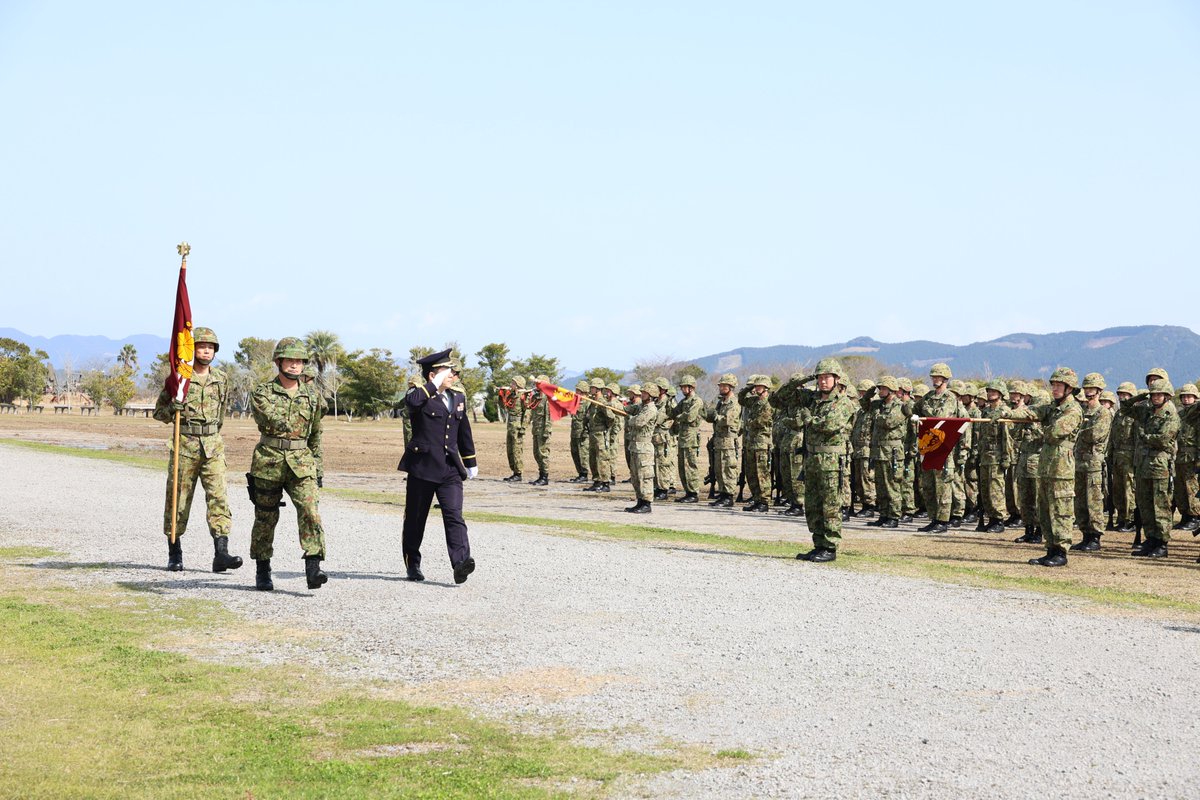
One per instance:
(518,414)
(789,417)
(600,422)
(1186,460)
(970,470)
(937,486)
(726,417)
(686,416)
(405,414)
(635,399)
(540,424)
(641,426)
(1028,442)
(889,428)
(862,476)
(1090,450)
(1153,463)
(756,442)
(287,458)
(911,454)
(580,448)
(826,437)
(1121,444)
(993,449)
(666,462)
(1060,422)
(618,432)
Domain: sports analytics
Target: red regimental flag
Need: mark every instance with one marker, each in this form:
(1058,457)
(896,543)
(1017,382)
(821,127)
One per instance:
(183,349)
(503,392)
(937,438)
(563,402)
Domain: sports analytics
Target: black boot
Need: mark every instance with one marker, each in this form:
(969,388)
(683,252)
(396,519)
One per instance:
(716,502)
(955,522)
(906,518)
(1013,520)
(604,488)
(262,575)
(845,514)
(221,558)
(983,524)
(312,572)
(1090,543)
(1055,557)
(643,507)
(1030,537)
(889,522)
(1147,547)
(940,527)
(542,480)
(595,487)
(660,494)
(928,528)
(818,555)
(995,526)
(726,502)
(688,497)
(796,510)
(174,555)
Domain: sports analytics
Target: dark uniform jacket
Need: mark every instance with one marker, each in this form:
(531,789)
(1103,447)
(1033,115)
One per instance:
(441,443)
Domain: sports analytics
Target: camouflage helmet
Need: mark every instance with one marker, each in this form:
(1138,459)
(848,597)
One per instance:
(889,383)
(206,336)
(518,381)
(729,379)
(651,388)
(920,389)
(956,386)
(906,384)
(1017,386)
(981,392)
(866,385)
(1065,375)
(1094,380)
(310,370)
(1108,397)
(1041,396)
(598,383)
(614,387)
(996,385)
(662,383)
(829,366)
(542,378)
(941,370)
(1157,373)
(759,380)
(582,386)
(1128,388)
(290,347)
(634,389)
(1162,386)
(688,380)
(1189,388)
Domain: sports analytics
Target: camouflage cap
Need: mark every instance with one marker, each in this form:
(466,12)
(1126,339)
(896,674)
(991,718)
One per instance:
(652,389)
(920,389)
(829,366)
(290,347)
(889,383)
(906,384)
(866,385)
(1108,397)
(1157,373)
(941,370)
(688,380)
(1189,388)
(518,381)
(1162,386)
(1128,388)
(996,385)
(542,379)
(598,383)
(206,336)
(614,387)
(729,379)
(1094,380)
(1065,375)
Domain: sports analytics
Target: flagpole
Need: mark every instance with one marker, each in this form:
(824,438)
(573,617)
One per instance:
(183,249)
(603,405)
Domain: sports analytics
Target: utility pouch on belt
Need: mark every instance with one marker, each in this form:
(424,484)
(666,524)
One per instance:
(253,490)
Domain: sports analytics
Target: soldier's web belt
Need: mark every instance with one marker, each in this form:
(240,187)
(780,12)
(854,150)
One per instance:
(283,444)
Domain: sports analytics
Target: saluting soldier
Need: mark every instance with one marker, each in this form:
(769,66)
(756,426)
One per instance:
(288,458)
(726,418)
(1154,462)
(201,454)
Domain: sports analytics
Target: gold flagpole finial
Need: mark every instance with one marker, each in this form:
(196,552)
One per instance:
(183,248)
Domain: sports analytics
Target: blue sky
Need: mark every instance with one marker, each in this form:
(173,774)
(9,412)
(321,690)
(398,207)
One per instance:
(603,182)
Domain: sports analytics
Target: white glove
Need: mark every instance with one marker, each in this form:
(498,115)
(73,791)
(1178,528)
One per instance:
(441,376)
(916,418)
(472,472)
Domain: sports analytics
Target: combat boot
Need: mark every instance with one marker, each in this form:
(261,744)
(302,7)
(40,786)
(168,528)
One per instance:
(262,575)
(995,526)
(1089,544)
(542,480)
(720,498)
(312,572)
(983,524)
(940,527)
(906,518)
(845,513)
(818,555)
(889,522)
(956,522)
(514,478)
(727,502)
(866,512)
(221,558)
(1030,537)
(661,494)
(595,487)
(643,507)
(174,555)
(796,510)
(604,488)
(928,528)
(1013,520)
(1055,557)
(688,497)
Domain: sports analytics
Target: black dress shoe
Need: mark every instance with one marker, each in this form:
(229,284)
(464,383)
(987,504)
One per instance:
(1056,557)
(414,573)
(462,570)
(996,526)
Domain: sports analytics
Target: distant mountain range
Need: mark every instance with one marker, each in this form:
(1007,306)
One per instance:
(1117,353)
(88,351)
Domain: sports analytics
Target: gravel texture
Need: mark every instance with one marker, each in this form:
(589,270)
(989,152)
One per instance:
(844,684)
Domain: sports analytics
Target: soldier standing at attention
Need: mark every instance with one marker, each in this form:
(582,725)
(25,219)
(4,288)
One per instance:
(667,463)
(937,486)
(439,458)
(1122,441)
(201,454)
(862,477)
(612,395)
(826,436)
(889,425)
(963,452)
(992,446)
(686,416)
(580,450)
(600,421)
(788,406)
(1153,462)
(518,414)
(1090,450)
(633,398)
(287,458)
(1187,458)
(640,427)
(1028,443)
(911,453)
(726,418)
(1060,420)
(756,442)
(539,422)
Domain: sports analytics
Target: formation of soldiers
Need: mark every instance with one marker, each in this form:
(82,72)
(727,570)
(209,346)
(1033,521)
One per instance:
(1073,459)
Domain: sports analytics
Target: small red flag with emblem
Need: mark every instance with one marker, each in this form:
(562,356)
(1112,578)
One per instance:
(183,348)
(563,402)
(937,438)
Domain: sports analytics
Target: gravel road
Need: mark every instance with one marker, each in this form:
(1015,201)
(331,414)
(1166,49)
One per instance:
(845,684)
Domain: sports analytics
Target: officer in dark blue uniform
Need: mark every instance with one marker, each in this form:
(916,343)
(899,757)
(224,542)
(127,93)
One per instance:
(438,457)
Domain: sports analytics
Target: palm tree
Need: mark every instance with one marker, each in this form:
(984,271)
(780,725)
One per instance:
(128,357)
(325,348)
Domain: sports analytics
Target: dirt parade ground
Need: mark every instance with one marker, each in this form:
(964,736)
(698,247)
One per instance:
(914,666)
